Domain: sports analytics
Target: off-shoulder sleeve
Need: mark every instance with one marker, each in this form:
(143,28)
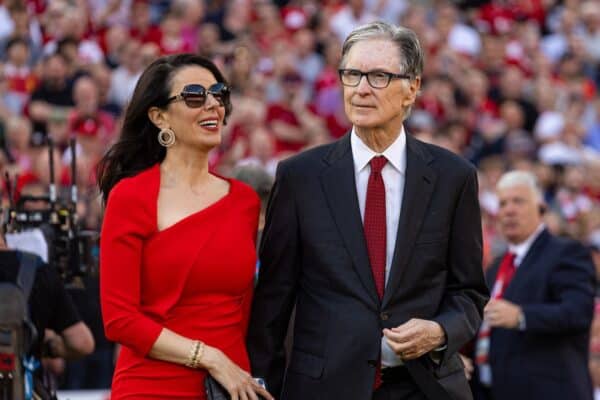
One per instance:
(126,223)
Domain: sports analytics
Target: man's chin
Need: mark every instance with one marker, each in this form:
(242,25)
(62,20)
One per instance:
(513,237)
(365,123)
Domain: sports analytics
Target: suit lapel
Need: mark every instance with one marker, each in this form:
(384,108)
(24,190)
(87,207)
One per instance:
(339,186)
(419,183)
(527,265)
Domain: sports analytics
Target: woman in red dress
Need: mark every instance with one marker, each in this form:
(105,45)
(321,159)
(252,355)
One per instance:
(177,253)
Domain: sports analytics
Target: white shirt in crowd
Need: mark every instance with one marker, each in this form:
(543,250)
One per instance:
(520,250)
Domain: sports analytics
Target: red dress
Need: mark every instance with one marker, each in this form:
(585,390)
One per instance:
(194,278)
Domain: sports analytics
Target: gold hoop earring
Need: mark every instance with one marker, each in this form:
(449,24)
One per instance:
(166,137)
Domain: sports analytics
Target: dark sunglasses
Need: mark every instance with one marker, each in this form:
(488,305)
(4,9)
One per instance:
(195,95)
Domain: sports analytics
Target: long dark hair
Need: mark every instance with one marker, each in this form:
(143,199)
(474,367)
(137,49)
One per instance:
(137,148)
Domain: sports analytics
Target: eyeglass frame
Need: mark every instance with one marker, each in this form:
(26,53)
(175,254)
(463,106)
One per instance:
(389,76)
(182,95)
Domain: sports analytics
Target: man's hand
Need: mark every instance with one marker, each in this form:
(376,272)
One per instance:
(469,367)
(414,338)
(501,313)
(54,344)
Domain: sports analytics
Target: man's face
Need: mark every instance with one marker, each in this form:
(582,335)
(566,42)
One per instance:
(56,71)
(140,15)
(519,214)
(18,54)
(85,95)
(371,108)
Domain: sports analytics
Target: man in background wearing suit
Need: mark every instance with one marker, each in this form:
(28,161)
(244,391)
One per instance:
(534,341)
(376,240)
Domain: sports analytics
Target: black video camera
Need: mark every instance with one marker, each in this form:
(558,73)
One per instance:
(69,249)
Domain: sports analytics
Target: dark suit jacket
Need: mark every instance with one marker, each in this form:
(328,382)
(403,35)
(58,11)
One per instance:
(554,285)
(313,255)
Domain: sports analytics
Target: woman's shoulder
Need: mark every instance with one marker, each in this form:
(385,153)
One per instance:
(133,200)
(137,187)
(243,191)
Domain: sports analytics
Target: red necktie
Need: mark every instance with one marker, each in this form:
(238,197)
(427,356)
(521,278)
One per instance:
(482,347)
(507,268)
(375,232)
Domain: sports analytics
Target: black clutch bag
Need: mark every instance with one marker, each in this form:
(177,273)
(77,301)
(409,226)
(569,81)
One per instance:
(214,390)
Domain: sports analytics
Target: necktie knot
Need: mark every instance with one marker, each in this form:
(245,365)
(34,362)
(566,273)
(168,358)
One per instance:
(377,164)
(510,258)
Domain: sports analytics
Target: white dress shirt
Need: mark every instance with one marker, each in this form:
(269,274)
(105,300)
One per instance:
(393,174)
(520,250)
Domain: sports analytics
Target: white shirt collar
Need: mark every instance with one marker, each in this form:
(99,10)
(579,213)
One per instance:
(521,249)
(395,153)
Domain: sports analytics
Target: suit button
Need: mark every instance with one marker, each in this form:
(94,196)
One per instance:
(372,363)
(384,316)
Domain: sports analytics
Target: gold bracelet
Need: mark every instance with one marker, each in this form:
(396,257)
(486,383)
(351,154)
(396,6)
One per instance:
(191,360)
(198,355)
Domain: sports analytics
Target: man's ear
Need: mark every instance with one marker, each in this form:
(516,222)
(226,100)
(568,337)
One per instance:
(158,117)
(414,88)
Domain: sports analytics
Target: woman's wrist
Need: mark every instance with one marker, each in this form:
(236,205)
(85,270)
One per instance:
(209,358)
(195,355)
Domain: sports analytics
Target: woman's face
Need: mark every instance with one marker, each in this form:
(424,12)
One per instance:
(196,127)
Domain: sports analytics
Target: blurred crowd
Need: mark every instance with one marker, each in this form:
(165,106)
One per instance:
(508,84)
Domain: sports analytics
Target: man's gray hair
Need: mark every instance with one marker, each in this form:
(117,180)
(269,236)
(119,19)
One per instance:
(257,178)
(521,178)
(406,40)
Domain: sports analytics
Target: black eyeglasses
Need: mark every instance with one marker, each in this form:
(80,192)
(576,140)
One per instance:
(195,95)
(377,79)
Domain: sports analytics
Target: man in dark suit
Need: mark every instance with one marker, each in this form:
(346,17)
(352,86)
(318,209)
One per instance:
(376,241)
(534,341)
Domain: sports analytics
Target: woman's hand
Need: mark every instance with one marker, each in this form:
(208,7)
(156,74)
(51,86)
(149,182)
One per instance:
(239,383)
(175,348)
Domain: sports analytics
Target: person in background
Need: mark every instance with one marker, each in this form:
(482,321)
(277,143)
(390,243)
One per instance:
(259,180)
(60,331)
(53,97)
(534,342)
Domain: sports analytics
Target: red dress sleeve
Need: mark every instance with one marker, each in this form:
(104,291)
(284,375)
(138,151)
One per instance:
(126,224)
